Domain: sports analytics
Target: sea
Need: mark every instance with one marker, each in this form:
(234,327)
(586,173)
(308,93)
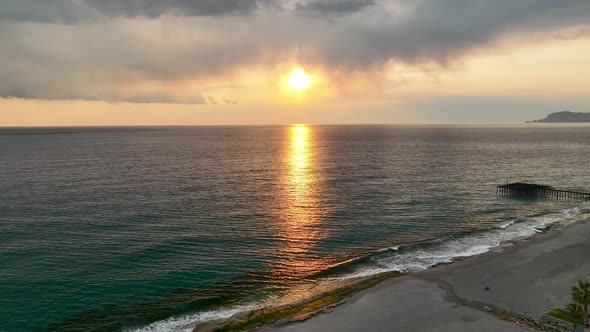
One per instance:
(160,228)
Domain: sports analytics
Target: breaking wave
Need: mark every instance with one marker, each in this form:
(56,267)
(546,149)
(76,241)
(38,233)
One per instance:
(425,255)
(402,258)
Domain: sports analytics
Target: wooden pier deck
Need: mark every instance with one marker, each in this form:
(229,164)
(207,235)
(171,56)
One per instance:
(529,189)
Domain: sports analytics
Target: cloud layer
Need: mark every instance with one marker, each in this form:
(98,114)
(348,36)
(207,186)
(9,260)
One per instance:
(71,11)
(165,51)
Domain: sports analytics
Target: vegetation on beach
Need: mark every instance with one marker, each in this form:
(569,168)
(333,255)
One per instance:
(566,315)
(581,298)
(577,311)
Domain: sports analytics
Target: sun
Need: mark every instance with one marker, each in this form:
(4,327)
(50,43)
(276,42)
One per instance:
(299,80)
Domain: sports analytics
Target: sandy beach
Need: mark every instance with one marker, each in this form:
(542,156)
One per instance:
(525,278)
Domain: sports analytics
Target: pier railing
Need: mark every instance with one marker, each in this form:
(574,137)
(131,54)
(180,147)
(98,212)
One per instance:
(529,189)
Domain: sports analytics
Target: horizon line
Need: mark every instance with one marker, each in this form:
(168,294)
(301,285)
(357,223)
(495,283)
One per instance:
(308,124)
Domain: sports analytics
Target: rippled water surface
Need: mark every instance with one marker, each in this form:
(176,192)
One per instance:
(118,228)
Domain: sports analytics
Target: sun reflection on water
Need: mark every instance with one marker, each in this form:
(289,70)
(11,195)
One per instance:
(299,175)
(301,210)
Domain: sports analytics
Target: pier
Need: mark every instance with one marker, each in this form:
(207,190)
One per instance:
(530,189)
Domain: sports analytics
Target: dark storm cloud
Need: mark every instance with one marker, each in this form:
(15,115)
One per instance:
(43,10)
(155,8)
(333,6)
(439,30)
(125,42)
(71,11)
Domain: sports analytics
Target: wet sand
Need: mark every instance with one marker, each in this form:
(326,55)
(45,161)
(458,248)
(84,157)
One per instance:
(403,304)
(527,278)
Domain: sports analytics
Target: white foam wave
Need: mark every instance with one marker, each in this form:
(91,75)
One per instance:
(446,252)
(392,248)
(187,323)
(414,260)
(508,224)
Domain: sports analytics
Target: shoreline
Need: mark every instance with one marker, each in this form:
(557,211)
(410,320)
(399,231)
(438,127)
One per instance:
(443,277)
(301,310)
(545,259)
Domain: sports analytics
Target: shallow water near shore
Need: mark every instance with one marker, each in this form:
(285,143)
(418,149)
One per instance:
(156,229)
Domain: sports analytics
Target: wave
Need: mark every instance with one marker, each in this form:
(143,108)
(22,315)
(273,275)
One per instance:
(187,323)
(411,257)
(510,222)
(430,254)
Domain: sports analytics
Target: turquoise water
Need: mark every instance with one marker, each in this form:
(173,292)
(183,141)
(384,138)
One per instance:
(109,229)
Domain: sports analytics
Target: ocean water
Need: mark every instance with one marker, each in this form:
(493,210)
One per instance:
(156,229)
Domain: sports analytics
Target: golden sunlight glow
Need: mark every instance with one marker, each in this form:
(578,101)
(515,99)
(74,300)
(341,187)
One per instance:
(297,85)
(299,154)
(299,80)
(301,214)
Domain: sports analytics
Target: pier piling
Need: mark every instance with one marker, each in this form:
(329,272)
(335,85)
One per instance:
(530,189)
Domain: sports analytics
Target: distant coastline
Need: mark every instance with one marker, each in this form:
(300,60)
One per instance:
(564,117)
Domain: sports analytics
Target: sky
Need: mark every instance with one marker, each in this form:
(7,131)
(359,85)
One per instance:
(228,62)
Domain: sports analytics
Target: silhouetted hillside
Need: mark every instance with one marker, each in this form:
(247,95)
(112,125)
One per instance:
(564,117)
